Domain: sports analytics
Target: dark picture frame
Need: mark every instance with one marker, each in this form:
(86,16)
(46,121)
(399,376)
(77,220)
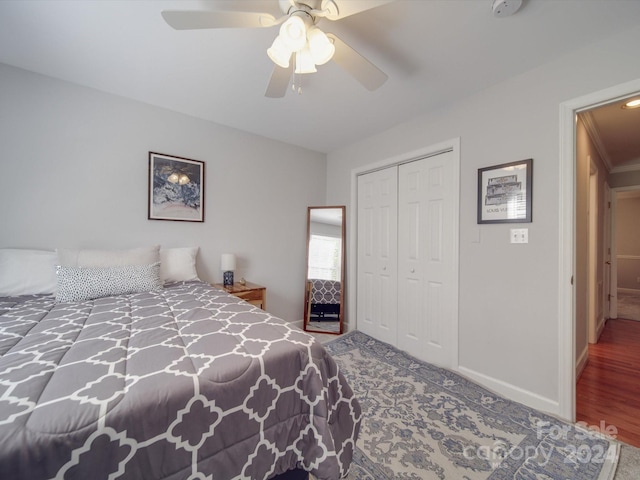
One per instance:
(505,192)
(176,188)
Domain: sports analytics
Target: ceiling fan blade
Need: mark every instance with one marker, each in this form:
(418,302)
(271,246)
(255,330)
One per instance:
(279,81)
(335,9)
(356,65)
(193,20)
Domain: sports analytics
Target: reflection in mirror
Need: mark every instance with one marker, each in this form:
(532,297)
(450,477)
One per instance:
(324,289)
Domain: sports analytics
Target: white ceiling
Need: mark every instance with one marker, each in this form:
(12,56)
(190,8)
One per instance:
(434,51)
(330,215)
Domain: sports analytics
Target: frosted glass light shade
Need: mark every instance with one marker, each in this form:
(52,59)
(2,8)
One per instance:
(294,33)
(227,262)
(279,53)
(320,46)
(304,62)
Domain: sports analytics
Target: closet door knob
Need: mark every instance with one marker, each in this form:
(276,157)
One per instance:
(384,268)
(413,270)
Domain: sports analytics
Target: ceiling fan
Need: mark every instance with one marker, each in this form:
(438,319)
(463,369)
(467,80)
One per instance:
(300,45)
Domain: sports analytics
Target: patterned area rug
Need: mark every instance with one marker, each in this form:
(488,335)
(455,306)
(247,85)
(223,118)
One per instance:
(424,422)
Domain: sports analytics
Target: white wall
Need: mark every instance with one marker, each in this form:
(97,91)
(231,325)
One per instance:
(74,165)
(586,153)
(508,297)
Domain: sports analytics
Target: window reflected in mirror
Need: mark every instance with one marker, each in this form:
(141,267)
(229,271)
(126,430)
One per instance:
(324,289)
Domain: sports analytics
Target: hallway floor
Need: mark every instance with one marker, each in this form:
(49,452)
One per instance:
(608,391)
(629,304)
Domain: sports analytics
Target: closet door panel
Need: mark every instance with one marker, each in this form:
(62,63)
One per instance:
(377,254)
(425,250)
(411,257)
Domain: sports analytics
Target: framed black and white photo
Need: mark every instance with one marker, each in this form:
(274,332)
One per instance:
(504,192)
(176,188)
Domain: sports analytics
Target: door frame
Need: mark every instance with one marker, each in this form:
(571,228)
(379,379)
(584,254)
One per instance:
(452,145)
(607,251)
(566,240)
(592,256)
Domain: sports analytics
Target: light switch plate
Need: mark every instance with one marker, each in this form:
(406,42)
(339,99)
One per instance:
(519,235)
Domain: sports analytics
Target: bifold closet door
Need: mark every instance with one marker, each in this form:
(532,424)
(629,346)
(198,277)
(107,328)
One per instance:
(377,305)
(425,258)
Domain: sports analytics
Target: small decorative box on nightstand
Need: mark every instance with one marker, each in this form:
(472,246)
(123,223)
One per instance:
(250,292)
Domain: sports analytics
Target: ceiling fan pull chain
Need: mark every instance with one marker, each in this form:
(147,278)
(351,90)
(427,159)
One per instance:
(296,82)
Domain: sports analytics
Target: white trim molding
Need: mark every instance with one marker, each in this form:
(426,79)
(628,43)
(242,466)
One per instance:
(582,361)
(630,167)
(629,290)
(628,257)
(592,131)
(510,391)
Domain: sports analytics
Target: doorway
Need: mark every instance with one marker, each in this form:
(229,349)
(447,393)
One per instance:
(567,246)
(626,250)
(567,240)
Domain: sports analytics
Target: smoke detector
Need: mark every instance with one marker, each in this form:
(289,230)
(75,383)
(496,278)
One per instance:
(505,8)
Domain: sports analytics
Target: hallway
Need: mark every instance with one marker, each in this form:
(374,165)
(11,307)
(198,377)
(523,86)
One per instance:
(608,391)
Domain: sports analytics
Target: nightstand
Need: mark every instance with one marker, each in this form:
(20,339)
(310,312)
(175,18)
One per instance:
(250,292)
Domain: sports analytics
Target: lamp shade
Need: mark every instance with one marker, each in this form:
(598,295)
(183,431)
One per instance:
(304,61)
(279,53)
(320,46)
(294,33)
(227,262)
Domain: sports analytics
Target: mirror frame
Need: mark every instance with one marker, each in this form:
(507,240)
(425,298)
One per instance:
(342,272)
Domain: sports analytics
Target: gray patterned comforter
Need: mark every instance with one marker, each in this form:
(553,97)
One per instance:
(187,382)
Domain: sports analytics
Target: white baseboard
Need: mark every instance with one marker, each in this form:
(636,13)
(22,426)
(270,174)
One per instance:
(582,361)
(512,392)
(600,327)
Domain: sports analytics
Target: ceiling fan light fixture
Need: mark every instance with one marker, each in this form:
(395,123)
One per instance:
(304,61)
(279,53)
(294,33)
(320,46)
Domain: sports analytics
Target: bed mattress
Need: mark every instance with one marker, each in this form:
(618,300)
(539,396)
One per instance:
(186,382)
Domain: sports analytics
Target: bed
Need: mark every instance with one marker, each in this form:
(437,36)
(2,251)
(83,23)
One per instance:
(181,382)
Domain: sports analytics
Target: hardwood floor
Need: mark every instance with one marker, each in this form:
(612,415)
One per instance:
(608,391)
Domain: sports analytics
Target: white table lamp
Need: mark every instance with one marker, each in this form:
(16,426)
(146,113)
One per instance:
(227,265)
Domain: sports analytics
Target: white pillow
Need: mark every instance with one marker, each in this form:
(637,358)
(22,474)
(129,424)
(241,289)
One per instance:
(27,272)
(108,258)
(76,284)
(178,264)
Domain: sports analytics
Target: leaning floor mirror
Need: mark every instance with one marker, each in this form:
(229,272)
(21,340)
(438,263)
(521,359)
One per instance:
(324,288)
